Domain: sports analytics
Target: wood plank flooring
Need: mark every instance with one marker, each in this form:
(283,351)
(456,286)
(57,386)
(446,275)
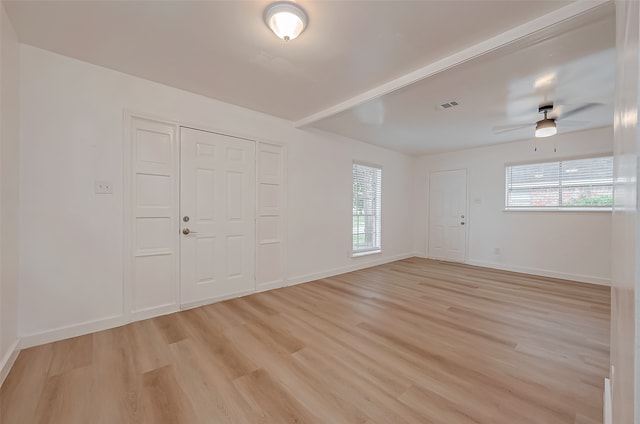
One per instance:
(413,341)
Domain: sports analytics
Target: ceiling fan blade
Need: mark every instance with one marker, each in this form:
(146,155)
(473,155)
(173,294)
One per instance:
(579,109)
(571,123)
(507,128)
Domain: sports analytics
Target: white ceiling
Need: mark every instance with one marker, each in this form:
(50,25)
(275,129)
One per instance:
(571,65)
(330,77)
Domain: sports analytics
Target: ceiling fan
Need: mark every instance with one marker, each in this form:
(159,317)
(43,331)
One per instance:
(547,127)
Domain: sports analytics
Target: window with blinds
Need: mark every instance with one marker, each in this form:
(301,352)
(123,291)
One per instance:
(367,195)
(581,184)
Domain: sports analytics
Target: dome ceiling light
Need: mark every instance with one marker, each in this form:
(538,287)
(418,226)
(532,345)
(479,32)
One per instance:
(287,20)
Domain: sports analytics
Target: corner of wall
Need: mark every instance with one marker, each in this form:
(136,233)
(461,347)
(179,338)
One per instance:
(8,360)
(344,269)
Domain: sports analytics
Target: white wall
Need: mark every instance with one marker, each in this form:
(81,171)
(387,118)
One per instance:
(9,138)
(318,169)
(71,123)
(573,245)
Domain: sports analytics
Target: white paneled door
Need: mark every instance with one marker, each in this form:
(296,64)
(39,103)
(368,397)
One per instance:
(448,215)
(152,230)
(217,216)
(270,212)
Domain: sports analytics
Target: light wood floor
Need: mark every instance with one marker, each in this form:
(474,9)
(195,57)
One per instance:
(414,341)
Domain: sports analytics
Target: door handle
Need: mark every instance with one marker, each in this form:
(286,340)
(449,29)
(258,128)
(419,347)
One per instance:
(187,231)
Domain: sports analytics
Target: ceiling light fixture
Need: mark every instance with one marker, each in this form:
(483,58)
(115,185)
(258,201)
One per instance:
(287,20)
(547,126)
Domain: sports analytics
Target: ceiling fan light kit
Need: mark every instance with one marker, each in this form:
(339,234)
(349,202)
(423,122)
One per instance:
(546,127)
(287,20)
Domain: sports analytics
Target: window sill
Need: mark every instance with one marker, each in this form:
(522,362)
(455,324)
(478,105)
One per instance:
(367,253)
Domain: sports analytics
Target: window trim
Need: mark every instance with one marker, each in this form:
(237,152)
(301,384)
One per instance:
(564,209)
(377,249)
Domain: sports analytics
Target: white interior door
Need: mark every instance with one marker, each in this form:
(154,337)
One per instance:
(448,215)
(151,229)
(217,216)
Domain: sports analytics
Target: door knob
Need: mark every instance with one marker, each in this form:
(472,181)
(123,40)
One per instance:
(187,231)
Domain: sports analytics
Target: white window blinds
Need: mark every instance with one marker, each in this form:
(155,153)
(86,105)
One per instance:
(581,184)
(367,195)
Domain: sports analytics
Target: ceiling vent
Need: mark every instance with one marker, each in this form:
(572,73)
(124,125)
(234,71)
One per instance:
(447,105)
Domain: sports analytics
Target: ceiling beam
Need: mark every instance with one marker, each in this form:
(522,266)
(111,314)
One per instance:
(510,36)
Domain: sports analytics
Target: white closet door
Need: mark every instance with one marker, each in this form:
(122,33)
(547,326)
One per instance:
(217,216)
(270,264)
(447,215)
(152,265)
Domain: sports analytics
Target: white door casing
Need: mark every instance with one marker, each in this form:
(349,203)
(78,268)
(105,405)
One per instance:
(448,215)
(217,193)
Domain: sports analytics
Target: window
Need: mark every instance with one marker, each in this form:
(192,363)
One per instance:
(582,184)
(367,193)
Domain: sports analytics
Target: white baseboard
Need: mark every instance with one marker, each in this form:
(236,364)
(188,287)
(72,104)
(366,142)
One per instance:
(607,417)
(196,304)
(344,269)
(542,272)
(156,311)
(8,360)
(269,286)
(69,331)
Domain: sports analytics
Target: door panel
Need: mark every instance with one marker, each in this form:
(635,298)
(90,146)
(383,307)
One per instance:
(218,197)
(152,269)
(447,215)
(270,257)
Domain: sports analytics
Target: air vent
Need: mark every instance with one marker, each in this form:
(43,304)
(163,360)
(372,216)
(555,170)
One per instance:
(447,105)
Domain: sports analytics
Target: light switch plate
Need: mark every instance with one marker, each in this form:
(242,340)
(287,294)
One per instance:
(103,187)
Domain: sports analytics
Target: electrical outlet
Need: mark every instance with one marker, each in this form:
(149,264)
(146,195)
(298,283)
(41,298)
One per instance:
(103,187)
